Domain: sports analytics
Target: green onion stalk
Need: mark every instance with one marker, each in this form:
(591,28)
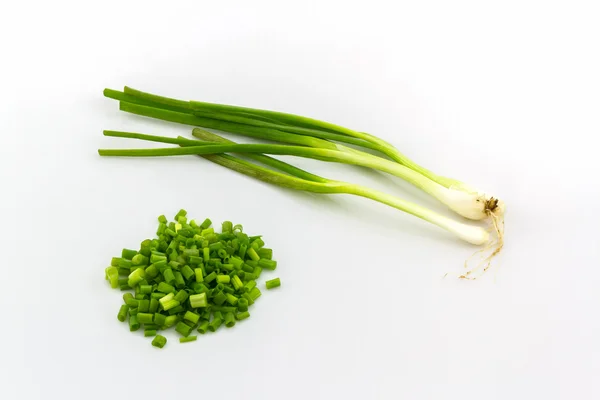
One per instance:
(290,177)
(319,136)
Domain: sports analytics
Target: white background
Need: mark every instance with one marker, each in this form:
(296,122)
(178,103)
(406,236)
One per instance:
(503,95)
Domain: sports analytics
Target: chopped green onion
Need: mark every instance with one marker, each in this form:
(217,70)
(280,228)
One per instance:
(153,305)
(187,339)
(242,304)
(159,341)
(231,299)
(179,281)
(145,318)
(215,324)
(198,300)
(265,253)
(143,306)
(198,272)
(192,317)
(183,329)
(167,305)
(145,289)
(160,319)
(169,276)
(267,264)
(165,288)
(136,277)
(242,315)
(212,280)
(273,283)
(129,300)
(134,325)
(171,320)
(229,320)
(123,312)
(219,298)
(166,298)
(252,254)
(203,327)
(237,282)
(249,285)
(210,277)
(112,274)
(181,296)
(255,293)
(223,309)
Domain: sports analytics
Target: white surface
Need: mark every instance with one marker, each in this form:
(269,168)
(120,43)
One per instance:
(501,95)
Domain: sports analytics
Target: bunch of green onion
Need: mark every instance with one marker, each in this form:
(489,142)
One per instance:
(190,277)
(309,138)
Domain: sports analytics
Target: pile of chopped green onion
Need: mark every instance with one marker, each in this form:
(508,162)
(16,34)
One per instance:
(190,277)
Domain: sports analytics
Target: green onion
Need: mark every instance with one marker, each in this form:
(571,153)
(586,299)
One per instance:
(229,320)
(467,204)
(267,264)
(112,275)
(145,318)
(134,325)
(298,130)
(199,274)
(249,285)
(136,277)
(165,288)
(273,283)
(192,317)
(159,341)
(238,119)
(143,305)
(129,300)
(183,329)
(265,253)
(160,319)
(203,327)
(242,304)
(181,296)
(255,293)
(198,300)
(187,339)
(167,305)
(242,315)
(171,320)
(123,312)
(215,324)
(153,305)
(472,234)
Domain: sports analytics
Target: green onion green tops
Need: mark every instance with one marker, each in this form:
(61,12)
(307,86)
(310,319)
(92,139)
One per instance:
(189,277)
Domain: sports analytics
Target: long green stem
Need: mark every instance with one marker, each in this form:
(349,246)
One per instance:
(261,158)
(203,148)
(274,119)
(211,137)
(149,100)
(225,126)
